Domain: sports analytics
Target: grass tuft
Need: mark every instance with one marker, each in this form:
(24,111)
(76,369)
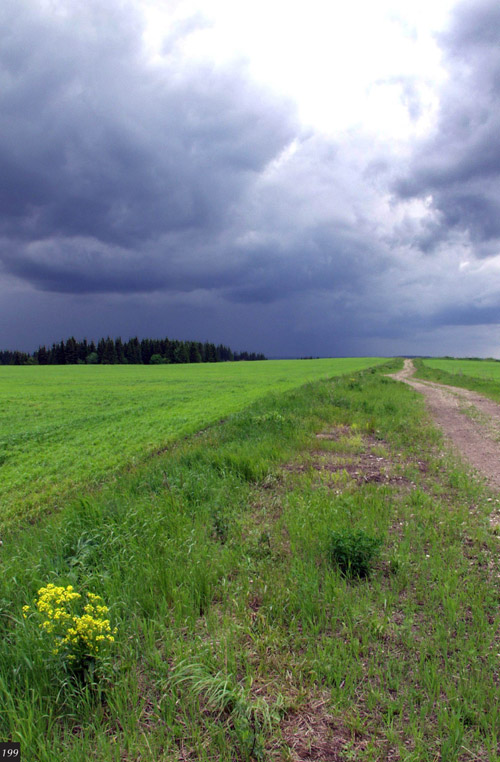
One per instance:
(354,551)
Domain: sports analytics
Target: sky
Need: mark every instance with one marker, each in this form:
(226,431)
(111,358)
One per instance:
(297,179)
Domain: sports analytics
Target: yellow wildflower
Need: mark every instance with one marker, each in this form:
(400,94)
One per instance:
(80,635)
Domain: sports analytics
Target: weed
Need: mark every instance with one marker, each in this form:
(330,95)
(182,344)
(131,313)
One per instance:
(220,527)
(273,417)
(353,551)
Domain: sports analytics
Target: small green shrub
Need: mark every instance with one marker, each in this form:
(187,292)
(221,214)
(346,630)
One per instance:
(353,551)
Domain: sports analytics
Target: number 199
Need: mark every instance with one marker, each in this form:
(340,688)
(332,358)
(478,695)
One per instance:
(10,750)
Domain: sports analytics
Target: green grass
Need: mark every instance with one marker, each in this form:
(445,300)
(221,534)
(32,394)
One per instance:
(482,376)
(489,369)
(237,638)
(65,427)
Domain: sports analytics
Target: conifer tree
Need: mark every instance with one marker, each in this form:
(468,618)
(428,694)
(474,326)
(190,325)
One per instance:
(61,354)
(120,351)
(42,356)
(109,355)
(71,351)
(194,352)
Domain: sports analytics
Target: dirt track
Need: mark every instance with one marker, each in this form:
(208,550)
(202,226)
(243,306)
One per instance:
(470,421)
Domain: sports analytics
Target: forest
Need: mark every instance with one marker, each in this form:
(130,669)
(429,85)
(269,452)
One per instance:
(132,352)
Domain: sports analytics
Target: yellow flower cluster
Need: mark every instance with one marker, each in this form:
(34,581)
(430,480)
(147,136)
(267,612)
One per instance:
(79,635)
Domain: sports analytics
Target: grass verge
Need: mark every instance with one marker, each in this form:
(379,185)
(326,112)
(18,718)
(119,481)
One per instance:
(237,637)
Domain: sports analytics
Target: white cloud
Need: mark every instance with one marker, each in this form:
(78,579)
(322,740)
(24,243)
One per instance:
(337,61)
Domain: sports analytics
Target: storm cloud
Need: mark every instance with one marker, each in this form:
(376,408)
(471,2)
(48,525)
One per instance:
(460,165)
(178,196)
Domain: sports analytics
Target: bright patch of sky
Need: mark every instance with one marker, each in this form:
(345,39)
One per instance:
(374,66)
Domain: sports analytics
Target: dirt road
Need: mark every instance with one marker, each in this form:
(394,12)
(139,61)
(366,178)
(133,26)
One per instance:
(470,421)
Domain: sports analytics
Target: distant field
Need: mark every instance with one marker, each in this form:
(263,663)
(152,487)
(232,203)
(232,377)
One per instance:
(65,427)
(474,368)
(481,376)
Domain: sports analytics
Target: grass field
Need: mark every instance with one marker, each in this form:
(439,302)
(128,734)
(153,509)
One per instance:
(476,368)
(482,376)
(65,427)
(237,636)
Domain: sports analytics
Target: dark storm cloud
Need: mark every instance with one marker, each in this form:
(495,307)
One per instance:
(468,314)
(326,257)
(120,176)
(460,165)
(172,197)
(109,164)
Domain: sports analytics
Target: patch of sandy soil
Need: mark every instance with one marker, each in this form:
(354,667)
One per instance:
(471,422)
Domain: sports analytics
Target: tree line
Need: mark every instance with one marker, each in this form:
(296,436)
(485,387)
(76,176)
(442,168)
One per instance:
(132,352)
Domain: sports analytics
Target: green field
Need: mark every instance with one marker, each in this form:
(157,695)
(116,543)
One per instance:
(476,368)
(237,635)
(482,376)
(65,427)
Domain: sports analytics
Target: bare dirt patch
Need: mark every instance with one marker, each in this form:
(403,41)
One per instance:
(334,435)
(314,734)
(471,422)
(362,463)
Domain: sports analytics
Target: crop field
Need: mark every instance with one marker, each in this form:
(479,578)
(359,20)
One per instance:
(68,426)
(312,578)
(482,376)
(475,368)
